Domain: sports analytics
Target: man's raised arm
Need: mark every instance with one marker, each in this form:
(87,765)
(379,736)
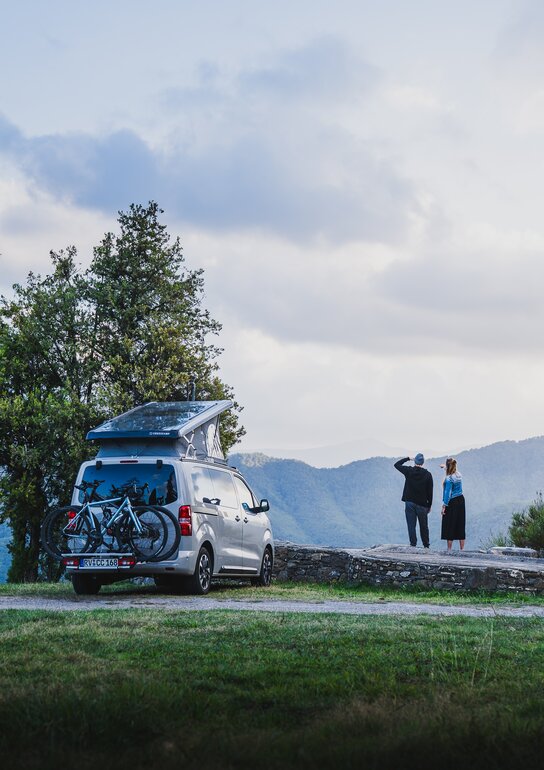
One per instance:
(399,465)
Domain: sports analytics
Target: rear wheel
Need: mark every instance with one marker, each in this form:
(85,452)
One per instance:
(160,537)
(65,531)
(86,584)
(265,576)
(200,580)
(151,540)
(173,537)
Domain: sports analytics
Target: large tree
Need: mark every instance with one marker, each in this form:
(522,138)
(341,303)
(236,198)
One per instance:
(77,348)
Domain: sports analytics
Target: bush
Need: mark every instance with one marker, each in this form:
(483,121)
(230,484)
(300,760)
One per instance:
(497,539)
(527,528)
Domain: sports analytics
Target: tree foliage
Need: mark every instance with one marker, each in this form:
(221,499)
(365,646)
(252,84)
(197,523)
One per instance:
(78,347)
(527,527)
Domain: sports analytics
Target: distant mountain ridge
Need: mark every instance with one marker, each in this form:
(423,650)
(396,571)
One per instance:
(359,504)
(334,455)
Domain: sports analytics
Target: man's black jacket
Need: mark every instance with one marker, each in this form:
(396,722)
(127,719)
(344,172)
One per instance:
(418,487)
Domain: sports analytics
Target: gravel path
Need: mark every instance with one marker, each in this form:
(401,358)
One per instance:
(189,604)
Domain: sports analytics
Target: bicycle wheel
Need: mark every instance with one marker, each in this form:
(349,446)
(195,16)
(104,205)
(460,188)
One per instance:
(64,531)
(171,545)
(148,543)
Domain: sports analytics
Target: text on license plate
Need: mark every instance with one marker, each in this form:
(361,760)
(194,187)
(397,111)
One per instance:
(98,562)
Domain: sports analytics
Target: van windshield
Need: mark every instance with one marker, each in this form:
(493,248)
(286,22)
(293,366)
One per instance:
(161,482)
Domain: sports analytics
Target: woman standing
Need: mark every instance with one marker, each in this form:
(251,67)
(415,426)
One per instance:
(453,508)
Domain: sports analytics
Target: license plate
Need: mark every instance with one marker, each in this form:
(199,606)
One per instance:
(98,562)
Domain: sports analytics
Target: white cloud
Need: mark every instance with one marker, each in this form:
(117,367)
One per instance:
(312,395)
(451,300)
(32,223)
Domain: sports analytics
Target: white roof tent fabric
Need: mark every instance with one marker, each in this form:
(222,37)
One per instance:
(182,428)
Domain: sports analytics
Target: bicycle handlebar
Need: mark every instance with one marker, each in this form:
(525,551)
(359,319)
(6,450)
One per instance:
(87,484)
(124,489)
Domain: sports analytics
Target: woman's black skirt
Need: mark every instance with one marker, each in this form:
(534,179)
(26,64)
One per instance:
(453,521)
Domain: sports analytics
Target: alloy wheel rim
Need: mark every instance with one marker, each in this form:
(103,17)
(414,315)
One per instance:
(204,571)
(267,567)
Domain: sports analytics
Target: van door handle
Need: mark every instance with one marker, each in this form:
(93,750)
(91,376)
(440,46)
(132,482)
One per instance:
(236,518)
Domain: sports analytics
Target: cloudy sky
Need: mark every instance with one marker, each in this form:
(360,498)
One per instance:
(362,182)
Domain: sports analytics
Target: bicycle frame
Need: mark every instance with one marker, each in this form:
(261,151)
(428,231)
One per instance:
(117,514)
(108,521)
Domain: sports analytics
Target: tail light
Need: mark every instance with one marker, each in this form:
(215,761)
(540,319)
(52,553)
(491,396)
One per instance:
(71,561)
(185,520)
(126,561)
(71,523)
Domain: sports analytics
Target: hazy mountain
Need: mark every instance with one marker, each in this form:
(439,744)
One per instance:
(334,455)
(359,504)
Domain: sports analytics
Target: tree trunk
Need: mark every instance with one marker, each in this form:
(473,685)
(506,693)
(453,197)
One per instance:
(25,551)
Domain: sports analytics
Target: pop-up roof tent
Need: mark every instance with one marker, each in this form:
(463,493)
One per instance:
(171,428)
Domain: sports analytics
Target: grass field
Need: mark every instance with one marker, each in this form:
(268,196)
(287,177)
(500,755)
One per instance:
(294,592)
(222,689)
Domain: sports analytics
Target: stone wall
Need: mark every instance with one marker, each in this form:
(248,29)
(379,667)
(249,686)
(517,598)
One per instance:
(399,566)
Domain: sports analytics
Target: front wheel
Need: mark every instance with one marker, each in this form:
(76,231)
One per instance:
(265,576)
(200,581)
(64,531)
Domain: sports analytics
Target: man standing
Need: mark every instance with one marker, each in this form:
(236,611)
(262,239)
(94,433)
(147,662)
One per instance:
(417,497)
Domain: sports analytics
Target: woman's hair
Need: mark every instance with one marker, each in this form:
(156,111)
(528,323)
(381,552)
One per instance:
(451,466)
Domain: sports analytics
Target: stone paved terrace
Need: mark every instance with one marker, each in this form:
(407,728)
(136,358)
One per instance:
(398,565)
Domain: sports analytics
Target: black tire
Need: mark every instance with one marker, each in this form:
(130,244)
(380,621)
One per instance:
(61,534)
(171,545)
(200,581)
(265,576)
(149,543)
(86,585)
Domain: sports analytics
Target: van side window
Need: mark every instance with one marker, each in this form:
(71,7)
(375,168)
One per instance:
(202,483)
(223,488)
(244,493)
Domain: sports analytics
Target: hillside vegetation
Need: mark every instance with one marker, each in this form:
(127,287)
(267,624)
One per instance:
(359,504)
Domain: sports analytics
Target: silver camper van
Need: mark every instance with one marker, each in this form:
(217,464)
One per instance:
(172,451)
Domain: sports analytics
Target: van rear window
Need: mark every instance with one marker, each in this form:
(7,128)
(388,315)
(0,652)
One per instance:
(161,482)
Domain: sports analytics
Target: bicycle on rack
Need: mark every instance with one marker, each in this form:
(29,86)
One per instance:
(121,524)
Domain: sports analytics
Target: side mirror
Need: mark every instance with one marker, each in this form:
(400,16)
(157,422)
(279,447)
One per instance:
(261,508)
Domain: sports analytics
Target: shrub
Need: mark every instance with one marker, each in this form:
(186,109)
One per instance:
(497,539)
(527,527)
